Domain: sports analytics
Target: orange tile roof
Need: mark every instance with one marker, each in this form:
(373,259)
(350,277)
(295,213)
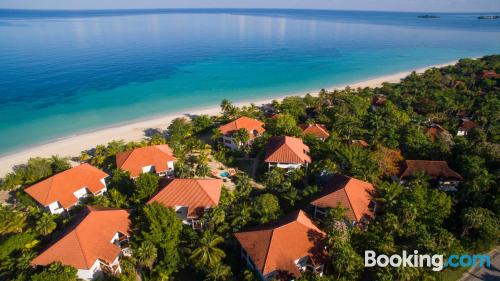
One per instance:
(379,100)
(243,122)
(362,143)
(195,194)
(434,131)
(89,240)
(134,160)
(287,150)
(467,124)
(60,187)
(318,130)
(275,246)
(435,169)
(352,194)
(489,74)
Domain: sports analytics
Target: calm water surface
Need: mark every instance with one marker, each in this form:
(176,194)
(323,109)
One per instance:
(66,72)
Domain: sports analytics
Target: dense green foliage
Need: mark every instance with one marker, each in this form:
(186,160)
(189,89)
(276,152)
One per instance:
(413,216)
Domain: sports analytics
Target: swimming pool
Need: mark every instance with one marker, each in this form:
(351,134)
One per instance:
(224,174)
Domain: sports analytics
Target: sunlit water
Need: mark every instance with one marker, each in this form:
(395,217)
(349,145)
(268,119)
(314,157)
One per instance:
(62,73)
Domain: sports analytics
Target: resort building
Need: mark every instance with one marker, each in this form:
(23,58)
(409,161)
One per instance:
(443,176)
(378,101)
(436,131)
(361,143)
(62,191)
(318,130)
(285,248)
(94,245)
(287,153)
(190,198)
(489,74)
(157,159)
(465,126)
(255,129)
(356,196)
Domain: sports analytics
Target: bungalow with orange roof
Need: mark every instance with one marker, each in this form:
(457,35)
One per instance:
(465,126)
(64,190)
(360,143)
(489,74)
(378,101)
(287,153)
(157,159)
(318,130)
(436,131)
(285,248)
(94,245)
(356,196)
(439,171)
(190,198)
(255,129)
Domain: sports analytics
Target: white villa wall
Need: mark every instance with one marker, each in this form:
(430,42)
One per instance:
(286,165)
(55,208)
(148,169)
(229,142)
(93,272)
(82,192)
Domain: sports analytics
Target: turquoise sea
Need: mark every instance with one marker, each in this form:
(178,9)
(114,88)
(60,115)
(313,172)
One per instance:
(65,72)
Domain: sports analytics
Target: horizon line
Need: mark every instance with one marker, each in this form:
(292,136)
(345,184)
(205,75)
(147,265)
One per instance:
(228,8)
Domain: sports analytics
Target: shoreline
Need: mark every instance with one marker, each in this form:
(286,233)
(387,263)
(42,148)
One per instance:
(133,130)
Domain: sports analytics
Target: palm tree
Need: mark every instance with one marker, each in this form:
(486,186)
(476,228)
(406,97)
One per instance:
(146,254)
(45,224)
(13,221)
(220,272)
(202,170)
(207,254)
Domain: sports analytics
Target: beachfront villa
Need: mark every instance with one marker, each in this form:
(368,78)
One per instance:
(62,191)
(443,176)
(287,153)
(436,131)
(190,198)
(94,245)
(255,129)
(317,130)
(356,196)
(157,159)
(285,248)
(465,126)
(378,101)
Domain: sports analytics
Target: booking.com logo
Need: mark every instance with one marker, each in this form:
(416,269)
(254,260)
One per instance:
(436,262)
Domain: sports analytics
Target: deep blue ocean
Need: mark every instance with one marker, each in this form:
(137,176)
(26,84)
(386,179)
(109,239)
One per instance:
(65,72)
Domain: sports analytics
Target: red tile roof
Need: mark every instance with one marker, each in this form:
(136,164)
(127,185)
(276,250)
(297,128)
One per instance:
(276,246)
(379,100)
(467,124)
(60,187)
(361,143)
(196,194)
(134,160)
(243,122)
(489,74)
(287,150)
(434,131)
(318,130)
(435,169)
(89,240)
(352,194)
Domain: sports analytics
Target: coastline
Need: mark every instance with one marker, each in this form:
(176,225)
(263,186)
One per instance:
(134,130)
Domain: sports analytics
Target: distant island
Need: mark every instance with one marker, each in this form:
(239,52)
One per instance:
(488,17)
(428,17)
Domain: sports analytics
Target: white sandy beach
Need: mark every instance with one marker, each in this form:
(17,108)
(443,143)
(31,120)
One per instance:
(73,145)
